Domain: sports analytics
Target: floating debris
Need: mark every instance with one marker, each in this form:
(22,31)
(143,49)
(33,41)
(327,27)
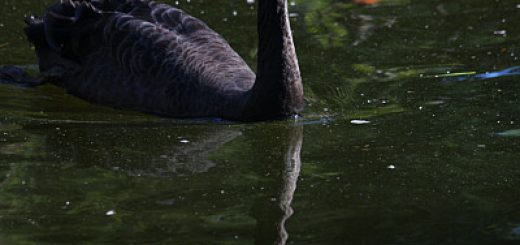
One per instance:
(435,102)
(456,74)
(110,213)
(391,166)
(510,133)
(359,122)
(500,33)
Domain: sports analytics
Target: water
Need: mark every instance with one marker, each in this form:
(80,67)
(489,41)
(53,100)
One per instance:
(406,140)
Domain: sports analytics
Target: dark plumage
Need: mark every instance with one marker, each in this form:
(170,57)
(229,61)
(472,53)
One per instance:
(152,57)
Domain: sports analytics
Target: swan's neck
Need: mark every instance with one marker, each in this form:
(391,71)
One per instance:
(278,90)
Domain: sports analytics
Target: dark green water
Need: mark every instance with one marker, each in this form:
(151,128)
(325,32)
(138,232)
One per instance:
(435,161)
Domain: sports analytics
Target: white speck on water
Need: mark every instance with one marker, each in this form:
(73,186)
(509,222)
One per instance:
(235,13)
(184,141)
(421,108)
(222,192)
(110,213)
(67,203)
(359,122)
(500,33)
(250,1)
(391,166)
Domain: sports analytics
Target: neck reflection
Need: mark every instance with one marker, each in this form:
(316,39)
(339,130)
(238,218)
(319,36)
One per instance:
(273,210)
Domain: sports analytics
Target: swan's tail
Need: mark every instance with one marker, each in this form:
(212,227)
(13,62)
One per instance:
(17,76)
(62,36)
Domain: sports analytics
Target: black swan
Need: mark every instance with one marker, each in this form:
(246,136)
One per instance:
(152,57)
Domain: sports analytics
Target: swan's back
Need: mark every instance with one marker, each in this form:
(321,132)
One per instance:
(140,55)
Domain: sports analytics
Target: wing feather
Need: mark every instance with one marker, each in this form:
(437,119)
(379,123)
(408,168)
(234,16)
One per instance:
(144,53)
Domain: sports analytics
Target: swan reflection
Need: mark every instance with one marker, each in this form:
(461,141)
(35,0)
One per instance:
(153,174)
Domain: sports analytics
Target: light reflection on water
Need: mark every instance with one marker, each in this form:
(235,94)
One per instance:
(393,151)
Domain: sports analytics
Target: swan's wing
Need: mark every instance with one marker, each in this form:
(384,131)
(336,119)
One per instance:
(145,38)
(137,53)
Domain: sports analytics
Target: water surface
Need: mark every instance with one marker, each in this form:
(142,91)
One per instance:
(407,139)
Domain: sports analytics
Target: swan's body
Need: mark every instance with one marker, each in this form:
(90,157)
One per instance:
(141,55)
